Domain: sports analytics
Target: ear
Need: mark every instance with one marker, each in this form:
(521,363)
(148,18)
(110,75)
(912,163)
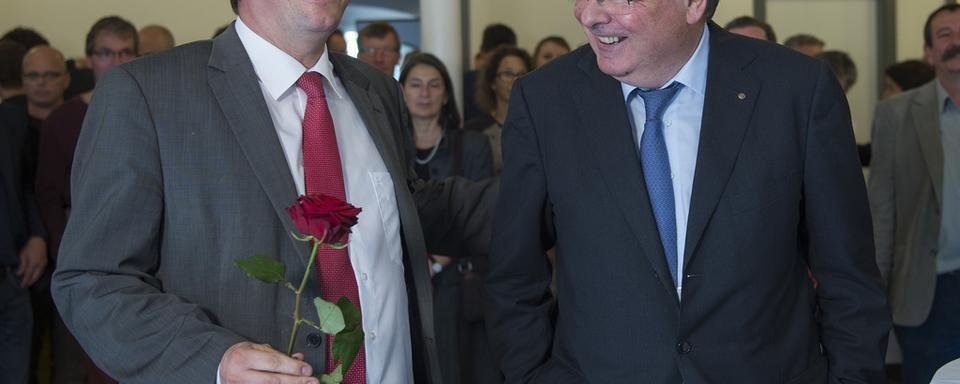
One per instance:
(696,10)
(929,56)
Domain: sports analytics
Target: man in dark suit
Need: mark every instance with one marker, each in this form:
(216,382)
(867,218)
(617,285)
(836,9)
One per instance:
(187,161)
(689,179)
(23,250)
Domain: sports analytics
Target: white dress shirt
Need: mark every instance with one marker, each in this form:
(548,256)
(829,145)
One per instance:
(375,247)
(681,131)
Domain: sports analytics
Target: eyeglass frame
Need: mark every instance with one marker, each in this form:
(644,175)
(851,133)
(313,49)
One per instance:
(376,50)
(612,6)
(48,75)
(107,53)
(513,75)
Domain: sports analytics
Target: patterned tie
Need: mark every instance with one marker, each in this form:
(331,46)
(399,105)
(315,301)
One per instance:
(656,169)
(323,173)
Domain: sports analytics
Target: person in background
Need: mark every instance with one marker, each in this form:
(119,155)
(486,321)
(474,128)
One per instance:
(379,46)
(494,36)
(899,78)
(505,65)
(155,38)
(11,73)
(752,27)
(336,43)
(551,47)
(23,250)
(111,41)
(45,78)
(809,45)
(914,190)
(906,75)
(26,37)
(842,66)
(444,150)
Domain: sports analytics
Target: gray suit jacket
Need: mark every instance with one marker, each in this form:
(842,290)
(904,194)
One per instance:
(906,188)
(178,173)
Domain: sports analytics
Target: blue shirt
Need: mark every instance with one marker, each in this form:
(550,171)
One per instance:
(681,132)
(948,257)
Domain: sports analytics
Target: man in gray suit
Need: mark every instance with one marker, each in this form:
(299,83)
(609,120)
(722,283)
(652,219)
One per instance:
(915,198)
(186,163)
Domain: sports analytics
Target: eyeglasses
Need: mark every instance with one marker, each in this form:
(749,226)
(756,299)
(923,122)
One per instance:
(509,75)
(619,7)
(374,51)
(107,53)
(49,75)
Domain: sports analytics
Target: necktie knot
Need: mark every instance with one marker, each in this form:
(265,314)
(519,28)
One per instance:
(655,101)
(312,84)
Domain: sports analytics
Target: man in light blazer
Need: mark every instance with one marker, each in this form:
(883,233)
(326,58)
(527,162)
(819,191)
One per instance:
(915,198)
(187,161)
(684,229)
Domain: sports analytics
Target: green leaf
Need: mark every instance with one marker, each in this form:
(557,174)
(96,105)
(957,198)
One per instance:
(335,377)
(263,268)
(351,314)
(346,345)
(331,317)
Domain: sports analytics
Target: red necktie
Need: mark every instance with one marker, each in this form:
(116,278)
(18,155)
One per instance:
(323,173)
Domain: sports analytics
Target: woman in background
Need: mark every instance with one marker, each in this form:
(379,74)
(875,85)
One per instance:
(494,84)
(551,47)
(443,150)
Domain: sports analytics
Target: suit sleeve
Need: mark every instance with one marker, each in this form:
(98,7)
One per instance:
(518,282)
(881,188)
(854,318)
(104,285)
(28,200)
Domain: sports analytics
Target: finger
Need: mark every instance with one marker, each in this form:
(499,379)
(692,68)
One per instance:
(32,276)
(22,268)
(298,356)
(272,361)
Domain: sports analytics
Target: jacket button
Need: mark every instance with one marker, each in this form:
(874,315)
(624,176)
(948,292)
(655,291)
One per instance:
(314,340)
(684,347)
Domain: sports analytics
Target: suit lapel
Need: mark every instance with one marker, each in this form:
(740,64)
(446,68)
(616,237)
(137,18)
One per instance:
(925,118)
(606,128)
(235,85)
(729,103)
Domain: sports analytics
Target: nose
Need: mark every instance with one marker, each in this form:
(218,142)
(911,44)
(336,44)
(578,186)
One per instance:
(589,13)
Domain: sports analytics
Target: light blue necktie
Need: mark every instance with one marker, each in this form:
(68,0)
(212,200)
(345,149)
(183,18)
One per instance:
(656,169)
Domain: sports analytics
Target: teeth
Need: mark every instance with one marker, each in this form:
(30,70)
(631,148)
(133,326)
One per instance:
(609,39)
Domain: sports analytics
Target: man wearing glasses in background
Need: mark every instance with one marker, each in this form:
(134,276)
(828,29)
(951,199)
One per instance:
(380,46)
(111,41)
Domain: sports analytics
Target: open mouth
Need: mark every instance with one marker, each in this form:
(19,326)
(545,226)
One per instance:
(610,40)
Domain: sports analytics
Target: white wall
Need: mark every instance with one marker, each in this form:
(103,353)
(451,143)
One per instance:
(532,20)
(911,14)
(65,23)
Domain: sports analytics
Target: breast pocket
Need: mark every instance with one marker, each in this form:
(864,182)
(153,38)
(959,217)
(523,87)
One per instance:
(389,214)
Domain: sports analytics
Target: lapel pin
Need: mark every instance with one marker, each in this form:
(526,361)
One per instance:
(741,96)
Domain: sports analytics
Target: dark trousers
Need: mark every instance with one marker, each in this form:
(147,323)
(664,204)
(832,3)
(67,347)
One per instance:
(16,322)
(930,345)
(446,314)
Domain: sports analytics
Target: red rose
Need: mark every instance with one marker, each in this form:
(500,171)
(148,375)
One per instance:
(326,218)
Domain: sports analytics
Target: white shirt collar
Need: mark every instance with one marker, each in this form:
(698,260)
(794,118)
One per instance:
(693,74)
(277,70)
